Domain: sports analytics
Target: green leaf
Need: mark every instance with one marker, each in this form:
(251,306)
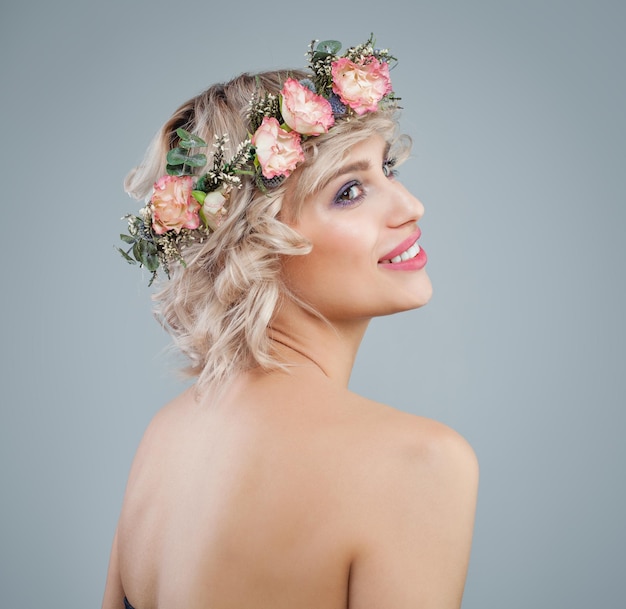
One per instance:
(196,160)
(176,170)
(201,183)
(176,156)
(137,250)
(325,49)
(189,140)
(328,47)
(126,256)
(146,254)
(127,239)
(199,195)
(151,262)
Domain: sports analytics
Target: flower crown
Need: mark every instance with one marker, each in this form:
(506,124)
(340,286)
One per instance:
(185,207)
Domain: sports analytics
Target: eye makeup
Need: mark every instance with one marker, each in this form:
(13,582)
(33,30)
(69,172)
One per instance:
(349,194)
(353,191)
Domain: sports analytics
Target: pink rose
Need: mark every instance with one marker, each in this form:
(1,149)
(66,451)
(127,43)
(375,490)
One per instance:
(213,208)
(172,205)
(277,150)
(304,111)
(361,86)
(214,201)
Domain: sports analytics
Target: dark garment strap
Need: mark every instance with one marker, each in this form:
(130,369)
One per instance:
(127,605)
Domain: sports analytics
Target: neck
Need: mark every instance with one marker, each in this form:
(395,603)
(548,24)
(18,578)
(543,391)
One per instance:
(300,337)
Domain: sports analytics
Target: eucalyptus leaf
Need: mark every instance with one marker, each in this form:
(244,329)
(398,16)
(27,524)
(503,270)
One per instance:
(126,256)
(183,134)
(329,47)
(146,254)
(151,262)
(193,141)
(189,138)
(176,170)
(319,56)
(177,156)
(128,239)
(137,250)
(196,160)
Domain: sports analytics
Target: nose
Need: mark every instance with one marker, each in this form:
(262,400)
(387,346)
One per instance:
(405,207)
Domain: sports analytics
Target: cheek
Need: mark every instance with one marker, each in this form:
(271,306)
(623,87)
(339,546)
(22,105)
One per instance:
(339,249)
(342,239)
(335,256)
(308,272)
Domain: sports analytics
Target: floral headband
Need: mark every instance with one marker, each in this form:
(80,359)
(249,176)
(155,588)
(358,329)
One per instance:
(185,207)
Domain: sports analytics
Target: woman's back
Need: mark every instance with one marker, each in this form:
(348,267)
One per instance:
(267,498)
(287,491)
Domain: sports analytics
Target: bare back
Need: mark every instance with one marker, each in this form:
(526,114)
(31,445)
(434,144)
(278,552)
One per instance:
(278,497)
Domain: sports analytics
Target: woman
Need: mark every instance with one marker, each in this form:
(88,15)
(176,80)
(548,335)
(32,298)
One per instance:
(268,484)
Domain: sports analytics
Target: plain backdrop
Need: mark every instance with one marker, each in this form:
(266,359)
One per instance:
(516,109)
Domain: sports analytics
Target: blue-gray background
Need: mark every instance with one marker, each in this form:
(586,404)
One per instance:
(517,112)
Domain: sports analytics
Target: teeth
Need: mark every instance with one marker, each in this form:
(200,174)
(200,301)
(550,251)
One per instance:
(413,251)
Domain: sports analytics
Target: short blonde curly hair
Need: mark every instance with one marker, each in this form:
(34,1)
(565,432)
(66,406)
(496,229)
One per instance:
(219,306)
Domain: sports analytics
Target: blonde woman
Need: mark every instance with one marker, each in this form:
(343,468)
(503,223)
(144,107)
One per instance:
(278,233)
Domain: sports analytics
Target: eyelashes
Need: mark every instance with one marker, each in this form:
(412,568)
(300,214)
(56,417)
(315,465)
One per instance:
(353,191)
(349,194)
(389,167)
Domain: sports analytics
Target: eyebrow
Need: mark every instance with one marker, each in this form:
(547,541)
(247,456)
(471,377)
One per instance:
(363,165)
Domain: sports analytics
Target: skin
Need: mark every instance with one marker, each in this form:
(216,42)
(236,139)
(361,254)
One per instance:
(292,491)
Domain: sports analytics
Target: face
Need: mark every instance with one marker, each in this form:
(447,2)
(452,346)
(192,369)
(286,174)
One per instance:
(365,260)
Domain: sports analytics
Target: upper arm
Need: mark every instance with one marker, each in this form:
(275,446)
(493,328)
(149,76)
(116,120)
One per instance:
(417,530)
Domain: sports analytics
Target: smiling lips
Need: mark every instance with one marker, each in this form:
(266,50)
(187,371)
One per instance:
(408,256)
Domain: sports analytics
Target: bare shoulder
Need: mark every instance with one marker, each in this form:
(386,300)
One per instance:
(415,442)
(414,532)
(160,441)
(412,464)
(164,424)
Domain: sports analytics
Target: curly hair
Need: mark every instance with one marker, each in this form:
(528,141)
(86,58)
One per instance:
(219,305)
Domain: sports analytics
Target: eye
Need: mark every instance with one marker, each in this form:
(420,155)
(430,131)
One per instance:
(349,194)
(388,168)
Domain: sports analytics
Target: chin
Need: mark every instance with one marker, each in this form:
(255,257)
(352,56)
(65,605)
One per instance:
(417,297)
(428,290)
(421,293)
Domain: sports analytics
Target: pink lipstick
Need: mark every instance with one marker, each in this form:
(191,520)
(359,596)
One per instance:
(407,256)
